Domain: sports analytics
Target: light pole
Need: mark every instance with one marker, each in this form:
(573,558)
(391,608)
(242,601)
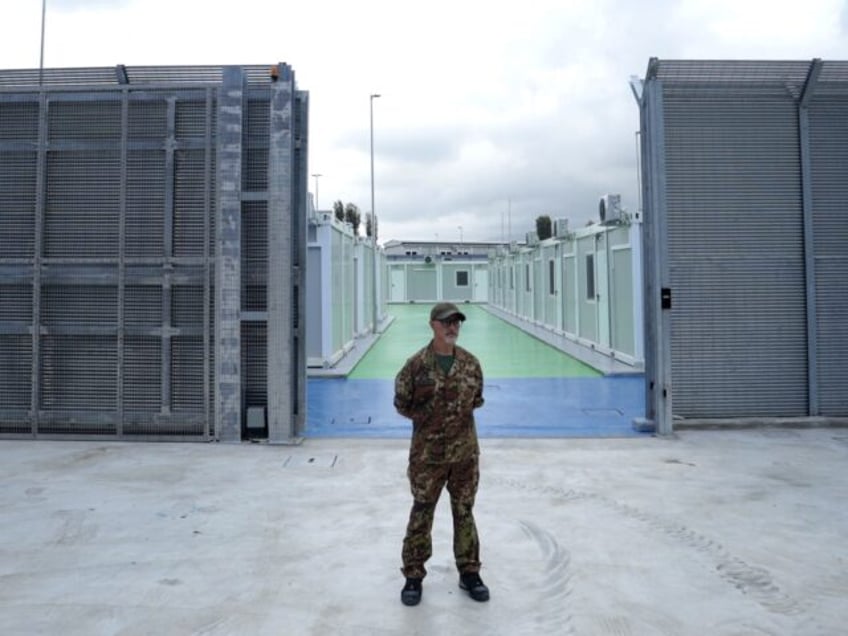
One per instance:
(316,175)
(41,59)
(373,217)
(460,234)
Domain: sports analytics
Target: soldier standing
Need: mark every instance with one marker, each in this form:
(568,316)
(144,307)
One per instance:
(438,389)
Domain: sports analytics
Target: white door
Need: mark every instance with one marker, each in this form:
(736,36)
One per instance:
(397,293)
(602,288)
(481,285)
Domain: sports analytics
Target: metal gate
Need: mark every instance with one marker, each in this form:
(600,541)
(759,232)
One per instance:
(744,173)
(136,212)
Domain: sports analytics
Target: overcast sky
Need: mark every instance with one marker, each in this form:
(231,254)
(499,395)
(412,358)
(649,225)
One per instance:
(491,113)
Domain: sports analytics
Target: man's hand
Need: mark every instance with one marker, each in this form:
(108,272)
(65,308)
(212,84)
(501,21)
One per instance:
(423,393)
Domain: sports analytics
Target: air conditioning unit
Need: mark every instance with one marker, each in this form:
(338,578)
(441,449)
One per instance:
(531,239)
(609,209)
(561,228)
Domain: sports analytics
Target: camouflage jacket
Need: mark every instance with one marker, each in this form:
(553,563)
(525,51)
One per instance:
(441,406)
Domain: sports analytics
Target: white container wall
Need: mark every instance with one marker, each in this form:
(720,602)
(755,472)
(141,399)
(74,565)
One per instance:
(341,280)
(427,282)
(584,288)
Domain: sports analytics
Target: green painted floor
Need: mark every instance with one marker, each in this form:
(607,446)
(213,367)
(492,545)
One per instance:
(503,350)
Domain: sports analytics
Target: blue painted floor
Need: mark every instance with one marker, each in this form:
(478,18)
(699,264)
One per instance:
(522,407)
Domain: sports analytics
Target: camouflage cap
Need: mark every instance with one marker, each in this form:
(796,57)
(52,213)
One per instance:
(443,311)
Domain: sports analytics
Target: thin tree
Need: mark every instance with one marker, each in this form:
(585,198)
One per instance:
(371,225)
(544,227)
(352,216)
(339,210)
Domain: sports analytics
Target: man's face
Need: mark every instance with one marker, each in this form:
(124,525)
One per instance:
(446,331)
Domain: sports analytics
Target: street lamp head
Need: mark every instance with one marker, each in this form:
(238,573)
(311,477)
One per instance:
(373,95)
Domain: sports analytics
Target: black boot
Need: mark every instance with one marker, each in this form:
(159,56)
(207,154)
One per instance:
(411,592)
(473,584)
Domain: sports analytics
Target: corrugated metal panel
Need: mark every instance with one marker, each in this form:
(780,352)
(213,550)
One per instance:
(78,373)
(118,290)
(693,77)
(829,160)
(145,211)
(738,346)
(254,338)
(735,246)
(832,323)
(83,202)
(254,284)
(191,118)
(254,236)
(255,169)
(17,79)
(16,303)
(187,374)
(191,202)
(15,373)
(78,305)
(833,81)
(142,377)
(91,376)
(18,121)
(17,202)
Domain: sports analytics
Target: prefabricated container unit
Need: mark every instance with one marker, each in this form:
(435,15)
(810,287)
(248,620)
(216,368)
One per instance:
(152,238)
(745,190)
(342,278)
(420,281)
(583,285)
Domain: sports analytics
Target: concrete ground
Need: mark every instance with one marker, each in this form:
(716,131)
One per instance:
(706,533)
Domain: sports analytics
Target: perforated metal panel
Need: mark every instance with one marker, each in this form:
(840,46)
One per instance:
(742,242)
(829,162)
(735,256)
(108,202)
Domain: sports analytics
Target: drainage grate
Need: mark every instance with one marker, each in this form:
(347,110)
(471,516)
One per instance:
(603,412)
(361,421)
(321,461)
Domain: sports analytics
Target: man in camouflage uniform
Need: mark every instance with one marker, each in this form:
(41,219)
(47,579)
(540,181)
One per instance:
(438,389)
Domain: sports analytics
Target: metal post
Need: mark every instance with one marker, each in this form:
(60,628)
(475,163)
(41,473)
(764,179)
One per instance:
(658,373)
(285,270)
(373,220)
(41,59)
(317,175)
(813,407)
(228,255)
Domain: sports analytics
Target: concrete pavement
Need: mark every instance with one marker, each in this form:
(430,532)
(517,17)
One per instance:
(719,533)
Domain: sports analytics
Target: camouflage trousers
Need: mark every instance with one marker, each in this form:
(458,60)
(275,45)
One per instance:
(427,482)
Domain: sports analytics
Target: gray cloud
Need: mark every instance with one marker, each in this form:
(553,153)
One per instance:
(558,164)
(483,103)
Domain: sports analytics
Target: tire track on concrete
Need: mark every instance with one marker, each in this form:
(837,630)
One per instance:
(753,582)
(556,588)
